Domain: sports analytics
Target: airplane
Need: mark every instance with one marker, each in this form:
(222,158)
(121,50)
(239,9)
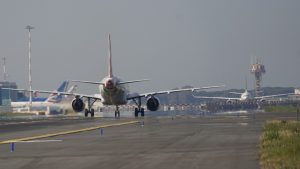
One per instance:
(245,96)
(114,91)
(52,98)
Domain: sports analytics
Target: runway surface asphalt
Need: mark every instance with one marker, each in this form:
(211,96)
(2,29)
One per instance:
(226,140)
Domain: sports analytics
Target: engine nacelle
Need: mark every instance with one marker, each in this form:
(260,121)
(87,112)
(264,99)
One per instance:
(262,100)
(152,103)
(229,101)
(78,105)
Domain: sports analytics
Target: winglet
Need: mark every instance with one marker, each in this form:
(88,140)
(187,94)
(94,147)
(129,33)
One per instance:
(109,57)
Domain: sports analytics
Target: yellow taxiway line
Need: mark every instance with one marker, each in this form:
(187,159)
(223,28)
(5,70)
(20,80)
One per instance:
(66,132)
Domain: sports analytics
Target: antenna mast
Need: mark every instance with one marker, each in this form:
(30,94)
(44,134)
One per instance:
(29,65)
(5,75)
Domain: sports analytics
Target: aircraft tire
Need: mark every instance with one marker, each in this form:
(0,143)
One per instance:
(86,112)
(136,112)
(142,112)
(92,112)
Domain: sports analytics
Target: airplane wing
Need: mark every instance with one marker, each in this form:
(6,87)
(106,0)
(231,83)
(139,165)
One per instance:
(221,98)
(171,91)
(89,82)
(99,83)
(58,93)
(235,93)
(276,95)
(134,81)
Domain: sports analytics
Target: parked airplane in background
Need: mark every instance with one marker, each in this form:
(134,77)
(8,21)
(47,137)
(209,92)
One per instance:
(245,96)
(114,91)
(38,105)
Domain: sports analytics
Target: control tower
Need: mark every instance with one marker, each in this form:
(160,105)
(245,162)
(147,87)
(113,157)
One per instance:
(258,69)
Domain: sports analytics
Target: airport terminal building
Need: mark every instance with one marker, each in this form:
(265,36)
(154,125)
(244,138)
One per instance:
(296,95)
(6,96)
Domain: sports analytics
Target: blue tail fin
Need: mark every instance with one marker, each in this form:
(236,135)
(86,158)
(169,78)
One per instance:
(54,98)
(63,87)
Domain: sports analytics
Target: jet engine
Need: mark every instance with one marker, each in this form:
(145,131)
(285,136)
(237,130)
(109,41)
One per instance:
(262,101)
(78,105)
(152,103)
(229,101)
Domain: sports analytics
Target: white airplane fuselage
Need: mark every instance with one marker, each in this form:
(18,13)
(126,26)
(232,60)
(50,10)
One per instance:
(113,94)
(246,96)
(26,104)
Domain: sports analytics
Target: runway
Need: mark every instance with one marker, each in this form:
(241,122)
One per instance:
(190,141)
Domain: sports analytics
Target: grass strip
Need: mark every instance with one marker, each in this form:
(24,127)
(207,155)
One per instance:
(280,108)
(279,145)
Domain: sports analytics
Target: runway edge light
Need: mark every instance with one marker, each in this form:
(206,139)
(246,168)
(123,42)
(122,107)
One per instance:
(12,147)
(101,131)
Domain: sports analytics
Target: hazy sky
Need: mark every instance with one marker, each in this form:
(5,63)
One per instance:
(172,42)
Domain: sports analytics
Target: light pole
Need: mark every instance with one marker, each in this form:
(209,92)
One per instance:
(295,104)
(29,56)
(4,70)
(297,109)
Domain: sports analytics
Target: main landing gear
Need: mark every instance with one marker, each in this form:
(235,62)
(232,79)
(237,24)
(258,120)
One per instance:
(139,108)
(117,112)
(87,111)
(90,110)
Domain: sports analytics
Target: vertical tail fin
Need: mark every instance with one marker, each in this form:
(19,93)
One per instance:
(57,98)
(63,87)
(72,89)
(109,57)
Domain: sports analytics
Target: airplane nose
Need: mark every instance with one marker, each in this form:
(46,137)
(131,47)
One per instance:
(109,84)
